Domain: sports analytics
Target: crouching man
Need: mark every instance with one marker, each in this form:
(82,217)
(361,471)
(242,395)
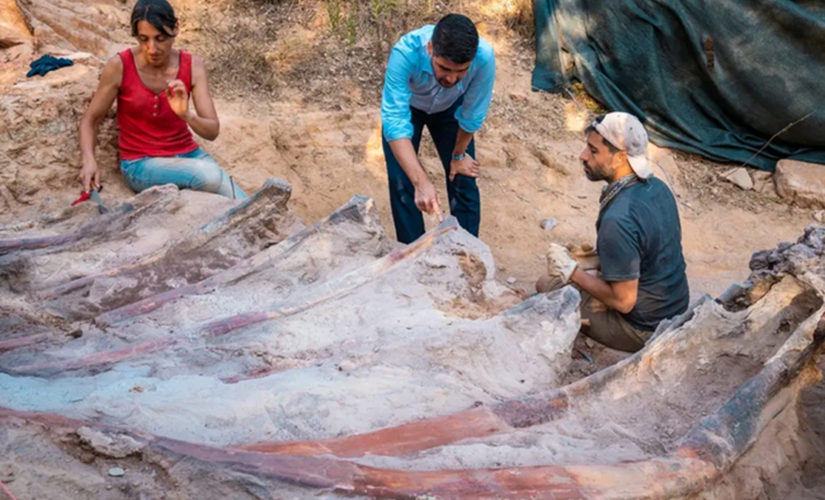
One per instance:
(642,278)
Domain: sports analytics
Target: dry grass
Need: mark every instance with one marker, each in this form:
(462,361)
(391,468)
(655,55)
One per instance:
(261,47)
(515,16)
(249,45)
(587,101)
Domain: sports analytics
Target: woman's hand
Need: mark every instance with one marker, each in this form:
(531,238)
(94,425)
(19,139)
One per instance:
(89,174)
(178,98)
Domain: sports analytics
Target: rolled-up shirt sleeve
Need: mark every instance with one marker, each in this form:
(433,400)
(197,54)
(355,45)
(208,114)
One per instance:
(395,100)
(473,110)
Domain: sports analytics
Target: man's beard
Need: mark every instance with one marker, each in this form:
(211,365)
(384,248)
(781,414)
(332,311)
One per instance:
(594,175)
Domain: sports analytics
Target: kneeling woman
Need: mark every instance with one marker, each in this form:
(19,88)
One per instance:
(152,84)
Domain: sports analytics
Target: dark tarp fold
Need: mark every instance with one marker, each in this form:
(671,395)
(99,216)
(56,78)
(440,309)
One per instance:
(714,77)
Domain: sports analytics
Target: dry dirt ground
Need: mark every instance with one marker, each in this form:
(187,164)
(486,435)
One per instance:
(305,109)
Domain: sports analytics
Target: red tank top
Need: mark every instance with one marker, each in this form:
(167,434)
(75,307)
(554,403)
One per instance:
(148,126)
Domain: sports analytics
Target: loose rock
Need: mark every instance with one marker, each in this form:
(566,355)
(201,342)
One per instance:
(115,446)
(548,224)
(116,472)
(763,182)
(739,177)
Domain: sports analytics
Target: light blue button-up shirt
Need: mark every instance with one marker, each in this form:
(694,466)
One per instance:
(410,81)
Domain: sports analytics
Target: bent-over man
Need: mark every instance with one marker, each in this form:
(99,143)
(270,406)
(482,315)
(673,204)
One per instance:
(440,77)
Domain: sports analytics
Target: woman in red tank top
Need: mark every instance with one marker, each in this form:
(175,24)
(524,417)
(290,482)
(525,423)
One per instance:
(152,84)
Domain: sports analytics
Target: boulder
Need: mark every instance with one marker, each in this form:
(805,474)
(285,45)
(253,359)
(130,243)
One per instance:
(801,182)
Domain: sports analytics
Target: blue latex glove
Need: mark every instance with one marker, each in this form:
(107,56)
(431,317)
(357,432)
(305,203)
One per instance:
(47,63)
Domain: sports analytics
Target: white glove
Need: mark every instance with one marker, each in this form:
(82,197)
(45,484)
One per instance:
(560,263)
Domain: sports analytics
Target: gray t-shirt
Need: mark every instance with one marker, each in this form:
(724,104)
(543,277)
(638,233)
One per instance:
(640,236)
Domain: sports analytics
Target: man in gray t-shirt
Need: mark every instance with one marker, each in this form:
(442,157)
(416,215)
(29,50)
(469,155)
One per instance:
(642,278)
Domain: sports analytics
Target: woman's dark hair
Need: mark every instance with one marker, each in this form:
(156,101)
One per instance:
(158,13)
(455,38)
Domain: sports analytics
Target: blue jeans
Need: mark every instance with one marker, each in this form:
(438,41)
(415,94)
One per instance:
(465,201)
(196,170)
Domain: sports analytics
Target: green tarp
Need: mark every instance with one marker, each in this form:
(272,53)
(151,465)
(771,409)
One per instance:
(714,77)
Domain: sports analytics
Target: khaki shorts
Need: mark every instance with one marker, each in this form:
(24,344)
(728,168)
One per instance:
(608,327)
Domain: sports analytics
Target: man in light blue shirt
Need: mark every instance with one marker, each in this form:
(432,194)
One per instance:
(440,76)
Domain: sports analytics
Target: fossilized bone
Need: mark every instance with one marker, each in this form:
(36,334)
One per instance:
(354,209)
(104,227)
(701,457)
(8,345)
(322,293)
(244,230)
(92,229)
(481,422)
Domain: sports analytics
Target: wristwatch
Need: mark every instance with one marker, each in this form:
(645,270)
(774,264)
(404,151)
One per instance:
(459,157)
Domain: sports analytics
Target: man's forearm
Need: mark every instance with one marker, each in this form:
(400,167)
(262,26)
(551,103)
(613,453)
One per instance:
(405,154)
(462,141)
(601,290)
